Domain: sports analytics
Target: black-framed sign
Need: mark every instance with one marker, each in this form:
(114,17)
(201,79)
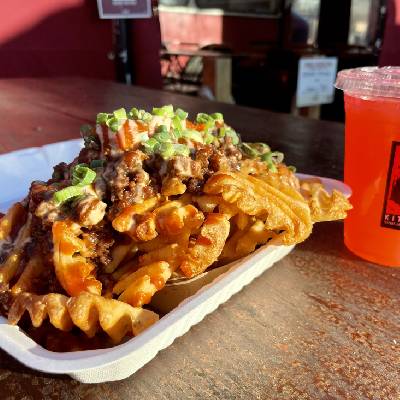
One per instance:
(122,9)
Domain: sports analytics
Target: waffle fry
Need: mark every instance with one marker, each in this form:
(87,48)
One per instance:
(72,269)
(34,268)
(9,268)
(139,287)
(208,245)
(324,206)
(87,311)
(10,220)
(52,306)
(244,242)
(285,209)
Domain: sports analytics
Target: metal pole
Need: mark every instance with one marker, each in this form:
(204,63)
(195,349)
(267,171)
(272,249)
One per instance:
(123,57)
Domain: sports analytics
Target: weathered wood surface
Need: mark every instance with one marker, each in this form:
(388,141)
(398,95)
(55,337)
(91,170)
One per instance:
(320,324)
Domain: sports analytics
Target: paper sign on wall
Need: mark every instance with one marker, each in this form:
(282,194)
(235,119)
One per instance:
(121,9)
(315,81)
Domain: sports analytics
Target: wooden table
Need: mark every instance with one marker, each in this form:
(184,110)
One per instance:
(321,324)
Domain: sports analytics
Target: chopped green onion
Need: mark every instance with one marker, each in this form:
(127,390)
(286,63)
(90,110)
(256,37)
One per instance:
(217,117)
(140,114)
(209,124)
(249,150)
(165,111)
(177,124)
(134,113)
(162,129)
(166,150)
(114,124)
(151,146)
(222,132)
(193,135)
(233,135)
(82,175)
(292,168)
(97,163)
(67,193)
(208,138)
(267,157)
(162,136)
(177,134)
(102,118)
(278,157)
(181,114)
(202,118)
(269,160)
(120,113)
(145,116)
(261,147)
(181,150)
(272,167)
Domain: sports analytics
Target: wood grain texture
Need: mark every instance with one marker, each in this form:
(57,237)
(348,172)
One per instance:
(320,324)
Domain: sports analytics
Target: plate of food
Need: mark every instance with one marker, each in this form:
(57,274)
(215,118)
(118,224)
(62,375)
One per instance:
(155,222)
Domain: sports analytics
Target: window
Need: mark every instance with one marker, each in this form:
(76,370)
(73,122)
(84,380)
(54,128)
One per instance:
(308,10)
(363,22)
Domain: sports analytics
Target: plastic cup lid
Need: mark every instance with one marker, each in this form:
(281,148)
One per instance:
(370,81)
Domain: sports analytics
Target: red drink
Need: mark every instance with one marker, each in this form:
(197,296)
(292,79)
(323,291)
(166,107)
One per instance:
(372,162)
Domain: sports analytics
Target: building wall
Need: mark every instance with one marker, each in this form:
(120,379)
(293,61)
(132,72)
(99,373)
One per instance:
(46,38)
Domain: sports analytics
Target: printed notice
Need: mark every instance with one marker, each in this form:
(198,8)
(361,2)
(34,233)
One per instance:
(315,81)
(121,9)
(391,206)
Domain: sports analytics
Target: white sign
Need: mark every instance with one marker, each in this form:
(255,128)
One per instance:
(122,9)
(315,81)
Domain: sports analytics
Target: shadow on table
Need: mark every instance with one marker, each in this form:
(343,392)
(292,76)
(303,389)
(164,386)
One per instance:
(8,363)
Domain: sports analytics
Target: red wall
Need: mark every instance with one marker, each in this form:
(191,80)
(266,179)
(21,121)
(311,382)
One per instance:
(41,38)
(54,38)
(390,54)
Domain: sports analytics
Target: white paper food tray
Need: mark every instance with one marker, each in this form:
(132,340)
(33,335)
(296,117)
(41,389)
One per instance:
(94,366)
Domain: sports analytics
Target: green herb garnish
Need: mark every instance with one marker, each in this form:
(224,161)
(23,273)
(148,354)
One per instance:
(67,193)
(82,175)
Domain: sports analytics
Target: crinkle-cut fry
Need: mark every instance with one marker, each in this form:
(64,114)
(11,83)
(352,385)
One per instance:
(171,253)
(285,207)
(139,287)
(39,307)
(73,271)
(245,242)
(89,312)
(13,216)
(32,271)
(208,245)
(125,220)
(159,272)
(118,254)
(324,206)
(10,266)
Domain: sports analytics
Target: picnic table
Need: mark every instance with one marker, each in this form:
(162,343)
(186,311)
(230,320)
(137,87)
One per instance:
(320,324)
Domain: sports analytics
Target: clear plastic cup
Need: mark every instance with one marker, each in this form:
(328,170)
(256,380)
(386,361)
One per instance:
(372,162)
